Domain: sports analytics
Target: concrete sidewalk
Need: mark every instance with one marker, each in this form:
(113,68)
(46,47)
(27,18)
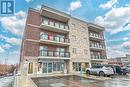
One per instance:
(24,81)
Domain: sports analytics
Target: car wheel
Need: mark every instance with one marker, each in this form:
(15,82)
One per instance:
(101,73)
(88,72)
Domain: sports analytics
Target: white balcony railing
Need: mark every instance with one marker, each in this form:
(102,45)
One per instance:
(95,35)
(94,56)
(55,24)
(97,45)
(53,38)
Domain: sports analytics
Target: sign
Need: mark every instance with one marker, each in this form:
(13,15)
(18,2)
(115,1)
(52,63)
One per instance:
(6,6)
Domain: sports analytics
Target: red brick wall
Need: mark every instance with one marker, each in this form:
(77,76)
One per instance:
(32,33)
(34,18)
(31,48)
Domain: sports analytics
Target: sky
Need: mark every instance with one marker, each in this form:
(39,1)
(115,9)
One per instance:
(114,15)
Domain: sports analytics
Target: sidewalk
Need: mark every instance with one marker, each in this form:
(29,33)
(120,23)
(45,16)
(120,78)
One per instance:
(24,81)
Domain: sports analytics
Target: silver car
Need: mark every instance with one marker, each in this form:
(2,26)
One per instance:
(101,70)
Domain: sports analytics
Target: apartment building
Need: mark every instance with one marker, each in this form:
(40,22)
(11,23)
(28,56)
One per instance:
(56,42)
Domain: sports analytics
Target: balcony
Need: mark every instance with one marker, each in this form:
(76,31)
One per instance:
(54,40)
(95,36)
(46,54)
(96,46)
(95,27)
(97,57)
(54,26)
(54,14)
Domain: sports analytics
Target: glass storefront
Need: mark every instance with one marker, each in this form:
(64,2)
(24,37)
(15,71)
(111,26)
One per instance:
(50,67)
(76,66)
(44,67)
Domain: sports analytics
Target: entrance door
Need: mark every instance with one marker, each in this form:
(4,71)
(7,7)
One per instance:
(49,67)
(30,68)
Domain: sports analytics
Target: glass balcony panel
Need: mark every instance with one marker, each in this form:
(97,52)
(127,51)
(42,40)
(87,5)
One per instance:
(62,54)
(57,54)
(51,23)
(66,27)
(61,26)
(50,53)
(45,21)
(57,39)
(45,37)
(57,25)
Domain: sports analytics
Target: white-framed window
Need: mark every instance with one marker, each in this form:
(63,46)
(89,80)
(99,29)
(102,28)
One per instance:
(43,50)
(44,36)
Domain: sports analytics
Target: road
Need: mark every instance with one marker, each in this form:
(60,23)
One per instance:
(6,81)
(119,81)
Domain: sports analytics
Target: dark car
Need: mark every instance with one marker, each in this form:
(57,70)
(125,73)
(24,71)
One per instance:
(120,71)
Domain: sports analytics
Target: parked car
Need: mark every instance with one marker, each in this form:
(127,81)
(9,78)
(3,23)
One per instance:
(101,70)
(120,71)
(128,67)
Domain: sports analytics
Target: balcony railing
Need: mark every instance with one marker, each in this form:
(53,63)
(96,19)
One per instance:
(97,57)
(48,53)
(94,35)
(98,46)
(54,38)
(55,24)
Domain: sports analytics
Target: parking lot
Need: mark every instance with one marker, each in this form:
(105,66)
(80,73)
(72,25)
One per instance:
(117,81)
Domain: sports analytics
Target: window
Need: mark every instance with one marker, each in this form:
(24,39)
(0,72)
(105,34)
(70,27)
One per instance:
(85,51)
(74,50)
(61,26)
(43,50)
(44,36)
(76,66)
(59,38)
(57,24)
(73,25)
(74,37)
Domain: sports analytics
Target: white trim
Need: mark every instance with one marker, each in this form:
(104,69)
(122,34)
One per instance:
(33,25)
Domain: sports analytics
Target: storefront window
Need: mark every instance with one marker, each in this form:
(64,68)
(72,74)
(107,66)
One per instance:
(44,67)
(77,66)
(50,67)
(54,66)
